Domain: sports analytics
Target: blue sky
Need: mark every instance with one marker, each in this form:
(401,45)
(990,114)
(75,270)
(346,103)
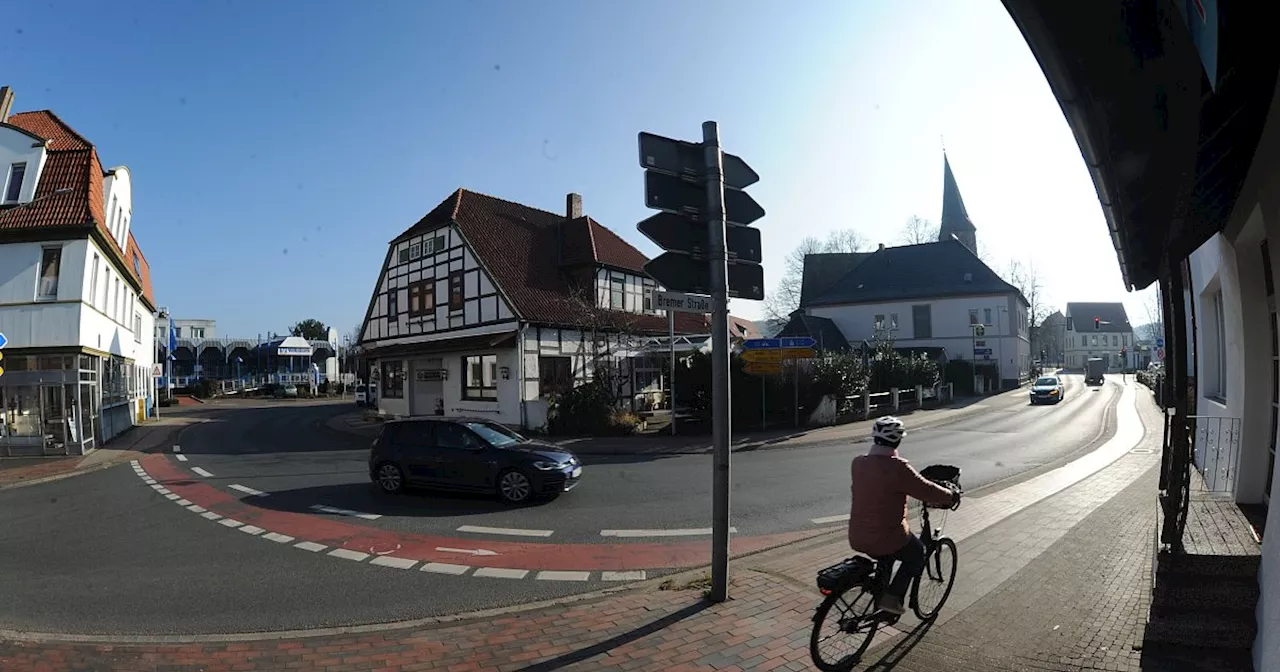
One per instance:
(277,147)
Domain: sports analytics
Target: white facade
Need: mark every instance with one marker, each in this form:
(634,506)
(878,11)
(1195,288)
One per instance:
(1081,345)
(947,325)
(26,154)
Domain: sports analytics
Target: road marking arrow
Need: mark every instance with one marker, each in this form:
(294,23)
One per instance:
(468,551)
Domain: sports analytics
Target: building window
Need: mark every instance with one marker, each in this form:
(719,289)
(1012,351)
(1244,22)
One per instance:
(456,294)
(393,380)
(415,251)
(1124,340)
(16,172)
(93,281)
(1084,340)
(130,310)
(555,375)
(115,302)
(422,298)
(177,332)
(986,316)
(922,321)
(617,292)
(137,267)
(404,255)
(137,327)
(480,378)
(1217,383)
(893,320)
(879,322)
(197,332)
(973,316)
(50,264)
(111,216)
(393,303)
(1095,340)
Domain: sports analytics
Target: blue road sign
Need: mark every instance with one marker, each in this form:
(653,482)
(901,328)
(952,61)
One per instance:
(798,342)
(1159,342)
(762,343)
(982,351)
(3,341)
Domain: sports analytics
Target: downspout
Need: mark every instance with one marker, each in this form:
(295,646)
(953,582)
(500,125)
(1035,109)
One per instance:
(524,416)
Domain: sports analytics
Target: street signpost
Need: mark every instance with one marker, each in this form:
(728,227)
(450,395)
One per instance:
(674,302)
(699,186)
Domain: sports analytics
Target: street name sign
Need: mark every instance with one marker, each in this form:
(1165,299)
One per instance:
(762,368)
(682,302)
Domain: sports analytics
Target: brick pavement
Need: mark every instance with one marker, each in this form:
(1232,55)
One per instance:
(1060,585)
(16,472)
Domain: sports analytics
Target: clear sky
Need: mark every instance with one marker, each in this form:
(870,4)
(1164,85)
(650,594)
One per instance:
(277,147)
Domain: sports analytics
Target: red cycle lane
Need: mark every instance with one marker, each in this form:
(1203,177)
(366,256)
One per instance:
(421,547)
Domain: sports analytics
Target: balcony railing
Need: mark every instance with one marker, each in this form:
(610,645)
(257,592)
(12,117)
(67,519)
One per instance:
(1216,450)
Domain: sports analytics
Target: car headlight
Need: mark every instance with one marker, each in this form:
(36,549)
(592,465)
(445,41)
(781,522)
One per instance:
(1053,391)
(544,465)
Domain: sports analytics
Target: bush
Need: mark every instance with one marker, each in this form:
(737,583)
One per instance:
(586,409)
(624,422)
(204,388)
(323,387)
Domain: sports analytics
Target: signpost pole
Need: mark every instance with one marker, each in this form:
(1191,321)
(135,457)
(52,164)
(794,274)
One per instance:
(795,374)
(719,361)
(671,343)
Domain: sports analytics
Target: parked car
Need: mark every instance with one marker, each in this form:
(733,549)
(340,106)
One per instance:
(286,392)
(362,395)
(470,455)
(1047,389)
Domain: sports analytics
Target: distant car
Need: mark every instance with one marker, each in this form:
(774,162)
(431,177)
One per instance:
(470,455)
(286,392)
(1047,389)
(362,395)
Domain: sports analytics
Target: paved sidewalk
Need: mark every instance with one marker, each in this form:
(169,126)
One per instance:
(1045,583)
(360,423)
(16,472)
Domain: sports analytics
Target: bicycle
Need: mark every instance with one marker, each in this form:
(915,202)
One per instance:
(860,576)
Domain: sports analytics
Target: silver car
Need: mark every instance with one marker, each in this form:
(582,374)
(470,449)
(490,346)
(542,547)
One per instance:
(1047,389)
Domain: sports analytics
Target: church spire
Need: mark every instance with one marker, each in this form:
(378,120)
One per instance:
(955,220)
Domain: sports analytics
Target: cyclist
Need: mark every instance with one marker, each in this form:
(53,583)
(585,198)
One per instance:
(881,481)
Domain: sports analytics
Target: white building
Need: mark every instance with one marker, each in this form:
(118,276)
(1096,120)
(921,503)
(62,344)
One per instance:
(1107,339)
(930,295)
(487,307)
(76,304)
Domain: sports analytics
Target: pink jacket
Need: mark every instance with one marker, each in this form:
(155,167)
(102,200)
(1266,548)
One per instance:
(880,485)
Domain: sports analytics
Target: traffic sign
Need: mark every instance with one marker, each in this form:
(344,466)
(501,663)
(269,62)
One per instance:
(3,341)
(1160,353)
(675,232)
(682,302)
(687,197)
(157,370)
(681,271)
(796,342)
(677,157)
(762,368)
(1159,343)
(797,353)
(773,356)
(761,343)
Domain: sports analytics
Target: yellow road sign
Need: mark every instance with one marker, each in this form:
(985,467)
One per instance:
(763,368)
(797,353)
(773,356)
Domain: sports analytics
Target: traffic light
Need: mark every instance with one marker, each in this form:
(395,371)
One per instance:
(1096,322)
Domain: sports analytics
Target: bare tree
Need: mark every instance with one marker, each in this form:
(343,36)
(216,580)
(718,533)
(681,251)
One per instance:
(918,230)
(1027,279)
(1153,307)
(785,298)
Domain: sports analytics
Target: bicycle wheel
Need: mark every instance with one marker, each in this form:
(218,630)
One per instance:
(932,588)
(843,627)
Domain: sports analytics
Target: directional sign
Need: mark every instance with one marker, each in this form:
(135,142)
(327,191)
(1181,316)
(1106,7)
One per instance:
(677,157)
(772,356)
(687,197)
(681,271)
(796,342)
(762,368)
(797,353)
(682,302)
(3,341)
(761,343)
(675,232)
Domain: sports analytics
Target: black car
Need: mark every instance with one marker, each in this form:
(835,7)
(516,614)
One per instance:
(470,455)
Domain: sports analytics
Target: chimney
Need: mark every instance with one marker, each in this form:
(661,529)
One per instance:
(6,103)
(573,206)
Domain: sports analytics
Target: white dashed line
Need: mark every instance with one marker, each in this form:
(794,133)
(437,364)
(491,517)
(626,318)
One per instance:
(690,532)
(445,568)
(500,573)
(182,458)
(310,546)
(508,531)
(563,576)
(347,554)
(247,490)
(201,472)
(196,508)
(826,520)
(389,561)
(637,575)
(277,537)
(229,522)
(177,449)
(252,529)
(210,515)
(345,512)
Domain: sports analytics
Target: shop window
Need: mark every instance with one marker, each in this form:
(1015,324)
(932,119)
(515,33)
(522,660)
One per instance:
(480,378)
(393,380)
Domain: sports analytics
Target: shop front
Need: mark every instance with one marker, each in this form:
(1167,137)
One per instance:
(51,405)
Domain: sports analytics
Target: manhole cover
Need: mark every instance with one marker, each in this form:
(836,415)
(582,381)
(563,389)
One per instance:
(1142,451)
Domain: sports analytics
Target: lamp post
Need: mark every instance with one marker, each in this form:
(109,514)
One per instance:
(161,314)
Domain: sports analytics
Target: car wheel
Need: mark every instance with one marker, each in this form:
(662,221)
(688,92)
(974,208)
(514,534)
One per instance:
(389,478)
(514,487)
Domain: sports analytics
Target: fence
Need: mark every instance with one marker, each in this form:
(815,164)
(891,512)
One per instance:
(869,404)
(1216,450)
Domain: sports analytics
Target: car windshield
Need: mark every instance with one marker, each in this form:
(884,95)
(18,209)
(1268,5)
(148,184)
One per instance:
(1047,381)
(495,434)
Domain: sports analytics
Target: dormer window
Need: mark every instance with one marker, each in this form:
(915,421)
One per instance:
(14,188)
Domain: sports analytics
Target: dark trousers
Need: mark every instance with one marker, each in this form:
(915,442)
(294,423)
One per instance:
(912,558)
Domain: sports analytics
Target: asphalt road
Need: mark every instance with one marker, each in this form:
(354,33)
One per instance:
(104,554)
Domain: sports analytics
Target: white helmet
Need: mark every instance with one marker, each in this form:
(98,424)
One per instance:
(889,429)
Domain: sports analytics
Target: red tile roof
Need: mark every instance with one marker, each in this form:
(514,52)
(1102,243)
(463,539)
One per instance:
(521,248)
(71,163)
